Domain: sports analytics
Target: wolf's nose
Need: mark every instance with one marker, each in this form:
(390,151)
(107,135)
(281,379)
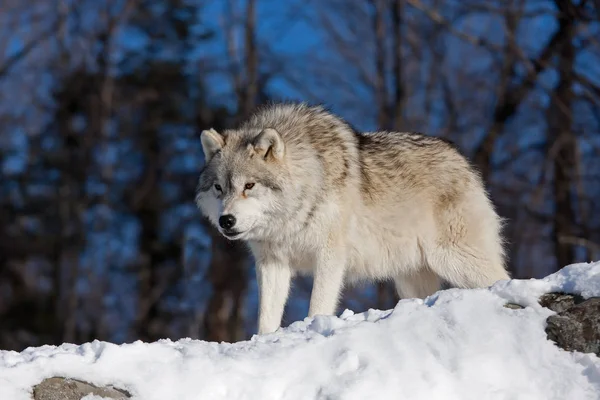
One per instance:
(227,221)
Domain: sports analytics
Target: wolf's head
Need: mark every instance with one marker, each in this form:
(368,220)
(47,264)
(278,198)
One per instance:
(240,188)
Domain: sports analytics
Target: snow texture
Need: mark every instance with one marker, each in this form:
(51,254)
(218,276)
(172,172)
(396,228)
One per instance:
(456,344)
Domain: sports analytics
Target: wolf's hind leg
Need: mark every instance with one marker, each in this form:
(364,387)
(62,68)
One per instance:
(467,251)
(418,284)
(463,267)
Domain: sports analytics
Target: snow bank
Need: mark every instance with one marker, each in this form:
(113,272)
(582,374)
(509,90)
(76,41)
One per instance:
(457,344)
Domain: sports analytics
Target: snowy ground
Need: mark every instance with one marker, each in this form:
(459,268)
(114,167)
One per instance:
(457,344)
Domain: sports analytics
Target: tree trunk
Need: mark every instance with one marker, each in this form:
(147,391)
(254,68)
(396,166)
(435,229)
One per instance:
(228,277)
(399,89)
(251,88)
(380,86)
(563,143)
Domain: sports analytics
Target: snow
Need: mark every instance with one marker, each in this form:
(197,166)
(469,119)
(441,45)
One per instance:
(456,344)
(95,397)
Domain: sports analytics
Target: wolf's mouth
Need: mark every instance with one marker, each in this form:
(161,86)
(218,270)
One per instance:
(233,234)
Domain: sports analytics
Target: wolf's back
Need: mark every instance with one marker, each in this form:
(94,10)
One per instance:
(398,163)
(383,165)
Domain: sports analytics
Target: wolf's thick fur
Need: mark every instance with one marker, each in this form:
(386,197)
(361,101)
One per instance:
(310,195)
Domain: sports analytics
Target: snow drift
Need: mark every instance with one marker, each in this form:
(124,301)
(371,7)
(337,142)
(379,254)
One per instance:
(456,344)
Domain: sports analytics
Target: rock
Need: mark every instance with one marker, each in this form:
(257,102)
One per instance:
(71,389)
(560,302)
(576,326)
(513,306)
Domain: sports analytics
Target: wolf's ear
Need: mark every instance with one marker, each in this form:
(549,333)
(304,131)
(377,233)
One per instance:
(212,142)
(269,144)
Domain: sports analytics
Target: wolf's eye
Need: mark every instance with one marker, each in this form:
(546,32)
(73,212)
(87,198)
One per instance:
(218,187)
(248,186)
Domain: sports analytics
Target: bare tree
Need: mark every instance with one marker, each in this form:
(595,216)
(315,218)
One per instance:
(513,94)
(243,62)
(251,88)
(228,276)
(562,140)
(399,89)
(381,91)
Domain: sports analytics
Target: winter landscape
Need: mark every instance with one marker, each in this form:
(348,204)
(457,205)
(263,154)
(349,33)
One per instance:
(114,284)
(456,344)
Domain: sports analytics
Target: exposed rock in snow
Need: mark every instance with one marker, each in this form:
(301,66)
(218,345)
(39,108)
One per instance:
(577,324)
(72,389)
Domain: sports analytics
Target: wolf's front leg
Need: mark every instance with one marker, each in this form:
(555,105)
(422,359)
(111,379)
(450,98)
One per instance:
(273,287)
(327,283)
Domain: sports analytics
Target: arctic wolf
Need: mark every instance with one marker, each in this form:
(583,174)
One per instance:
(311,195)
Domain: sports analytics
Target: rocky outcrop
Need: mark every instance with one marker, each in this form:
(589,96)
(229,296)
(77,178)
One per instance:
(576,326)
(560,302)
(71,389)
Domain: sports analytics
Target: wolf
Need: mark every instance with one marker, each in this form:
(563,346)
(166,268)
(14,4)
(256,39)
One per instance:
(311,195)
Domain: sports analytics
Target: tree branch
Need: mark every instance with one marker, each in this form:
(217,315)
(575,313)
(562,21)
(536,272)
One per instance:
(28,48)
